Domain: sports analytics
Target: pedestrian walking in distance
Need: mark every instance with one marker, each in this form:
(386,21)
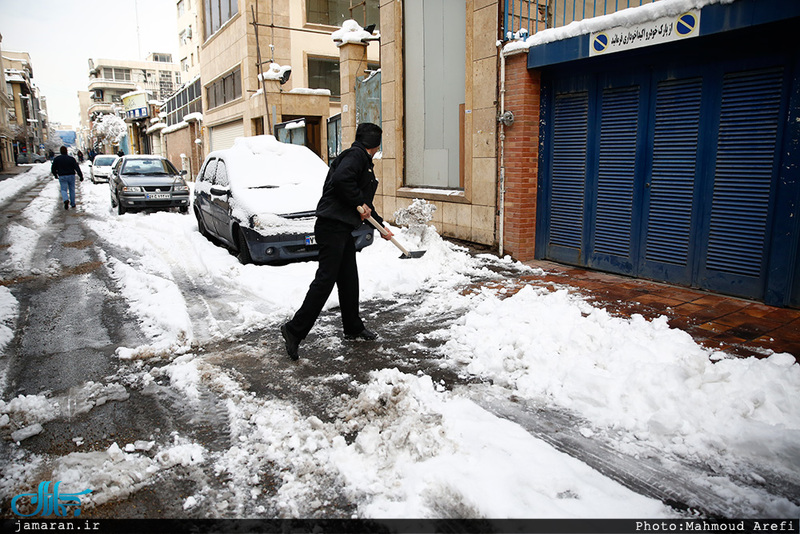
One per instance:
(65,167)
(350,184)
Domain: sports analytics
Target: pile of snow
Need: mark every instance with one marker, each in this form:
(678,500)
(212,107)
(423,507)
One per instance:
(11,187)
(352,32)
(420,452)
(275,72)
(23,233)
(31,411)
(9,308)
(116,473)
(651,382)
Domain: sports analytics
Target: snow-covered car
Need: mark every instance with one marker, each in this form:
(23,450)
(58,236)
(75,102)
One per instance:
(147,182)
(30,158)
(259,198)
(101,167)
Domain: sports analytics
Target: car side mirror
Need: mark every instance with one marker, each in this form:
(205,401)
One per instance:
(220,191)
(184,172)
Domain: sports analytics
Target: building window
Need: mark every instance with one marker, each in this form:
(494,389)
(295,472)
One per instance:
(324,74)
(218,12)
(187,100)
(181,8)
(117,74)
(224,90)
(165,85)
(335,12)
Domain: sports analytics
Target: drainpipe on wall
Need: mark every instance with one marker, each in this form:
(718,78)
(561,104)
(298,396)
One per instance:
(505,118)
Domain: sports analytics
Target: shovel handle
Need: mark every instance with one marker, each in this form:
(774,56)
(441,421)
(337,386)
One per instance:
(384,232)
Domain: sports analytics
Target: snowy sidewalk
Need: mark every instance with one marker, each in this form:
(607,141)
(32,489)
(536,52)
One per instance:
(737,326)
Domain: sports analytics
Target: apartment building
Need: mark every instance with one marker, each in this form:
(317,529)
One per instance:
(115,83)
(232,43)
(189,38)
(6,108)
(26,118)
(295,34)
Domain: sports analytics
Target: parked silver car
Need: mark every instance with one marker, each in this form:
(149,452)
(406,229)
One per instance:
(101,167)
(30,158)
(259,198)
(138,182)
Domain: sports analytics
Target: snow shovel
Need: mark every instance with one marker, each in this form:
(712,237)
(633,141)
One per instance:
(406,254)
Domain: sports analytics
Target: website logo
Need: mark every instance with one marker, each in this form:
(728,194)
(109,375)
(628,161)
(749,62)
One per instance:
(49,503)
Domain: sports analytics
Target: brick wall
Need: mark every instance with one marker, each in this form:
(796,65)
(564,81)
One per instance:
(182,142)
(522,97)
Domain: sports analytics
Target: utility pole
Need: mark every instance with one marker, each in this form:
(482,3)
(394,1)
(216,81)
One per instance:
(138,36)
(260,68)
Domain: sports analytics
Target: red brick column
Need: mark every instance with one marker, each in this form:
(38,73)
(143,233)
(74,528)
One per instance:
(522,97)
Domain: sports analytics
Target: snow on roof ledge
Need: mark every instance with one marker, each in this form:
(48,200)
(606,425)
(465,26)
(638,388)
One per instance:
(351,32)
(275,72)
(133,93)
(622,18)
(307,91)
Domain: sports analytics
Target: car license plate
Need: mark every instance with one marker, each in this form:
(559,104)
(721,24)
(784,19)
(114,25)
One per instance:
(311,240)
(154,196)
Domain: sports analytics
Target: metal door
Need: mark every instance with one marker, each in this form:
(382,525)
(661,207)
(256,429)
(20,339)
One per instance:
(668,173)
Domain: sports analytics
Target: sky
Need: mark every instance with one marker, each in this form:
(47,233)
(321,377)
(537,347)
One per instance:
(62,36)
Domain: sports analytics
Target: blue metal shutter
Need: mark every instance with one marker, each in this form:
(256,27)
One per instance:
(615,175)
(671,184)
(570,127)
(745,165)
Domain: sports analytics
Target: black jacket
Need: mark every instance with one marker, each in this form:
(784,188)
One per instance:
(64,165)
(350,183)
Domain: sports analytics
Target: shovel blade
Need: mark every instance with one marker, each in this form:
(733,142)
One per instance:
(412,255)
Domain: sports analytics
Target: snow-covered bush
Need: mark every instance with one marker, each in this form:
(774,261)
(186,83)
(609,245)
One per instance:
(110,129)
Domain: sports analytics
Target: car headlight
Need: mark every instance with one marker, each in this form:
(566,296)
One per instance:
(132,189)
(181,188)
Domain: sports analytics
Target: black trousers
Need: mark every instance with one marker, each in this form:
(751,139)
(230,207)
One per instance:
(337,266)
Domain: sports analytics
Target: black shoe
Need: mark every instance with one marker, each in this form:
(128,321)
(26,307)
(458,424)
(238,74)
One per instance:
(292,343)
(366,335)
(66,204)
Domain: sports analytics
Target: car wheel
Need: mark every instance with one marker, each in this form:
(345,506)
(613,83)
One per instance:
(201,226)
(244,250)
(184,209)
(113,202)
(120,208)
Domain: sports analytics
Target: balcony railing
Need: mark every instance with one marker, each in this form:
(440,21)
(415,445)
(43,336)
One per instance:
(526,17)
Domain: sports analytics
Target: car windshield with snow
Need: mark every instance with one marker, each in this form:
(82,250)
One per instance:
(138,182)
(260,197)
